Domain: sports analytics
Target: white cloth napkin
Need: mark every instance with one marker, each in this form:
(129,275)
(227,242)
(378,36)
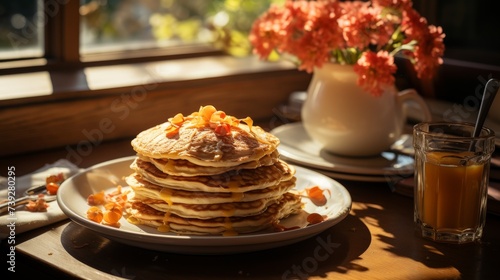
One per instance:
(24,220)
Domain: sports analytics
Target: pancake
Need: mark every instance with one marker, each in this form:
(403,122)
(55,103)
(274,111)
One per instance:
(197,139)
(181,167)
(140,213)
(235,181)
(145,189)
(214,210)
(209,173)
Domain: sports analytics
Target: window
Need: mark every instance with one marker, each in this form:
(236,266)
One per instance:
(108,25)
(95,30)
(21,29)
(471,27)
(118,25)
(48,35)
(69,32)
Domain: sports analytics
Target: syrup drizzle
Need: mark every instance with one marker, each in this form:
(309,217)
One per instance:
(229,228)
(165,227)
(166,195)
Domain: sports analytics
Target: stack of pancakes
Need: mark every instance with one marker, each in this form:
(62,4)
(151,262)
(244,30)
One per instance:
(209,174)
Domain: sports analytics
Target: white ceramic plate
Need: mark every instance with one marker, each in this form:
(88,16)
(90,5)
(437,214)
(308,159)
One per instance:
(73,193)
(296,146)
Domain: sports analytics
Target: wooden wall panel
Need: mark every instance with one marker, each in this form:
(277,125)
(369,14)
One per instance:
(122,113)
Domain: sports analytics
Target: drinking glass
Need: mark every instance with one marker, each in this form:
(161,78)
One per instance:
(451,175)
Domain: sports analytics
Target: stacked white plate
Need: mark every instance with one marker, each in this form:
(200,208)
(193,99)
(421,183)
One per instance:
(73,193)
(297,147)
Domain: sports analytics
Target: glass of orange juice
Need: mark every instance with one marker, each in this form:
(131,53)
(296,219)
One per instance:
(451,175)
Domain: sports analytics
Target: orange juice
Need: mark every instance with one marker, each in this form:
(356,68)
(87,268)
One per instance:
(451,170)
(451,193)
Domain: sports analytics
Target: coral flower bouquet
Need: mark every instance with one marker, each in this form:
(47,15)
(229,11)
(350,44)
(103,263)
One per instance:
(365,34)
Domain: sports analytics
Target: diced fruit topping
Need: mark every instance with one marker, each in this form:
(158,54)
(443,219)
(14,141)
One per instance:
(113,213)
(223,129)
(39,205)
(315,218)
(107,208)
(96,199)
(95,214)
(52,183)
(207,116)
(177,119)
(58,179)
(52,188)
(316,195)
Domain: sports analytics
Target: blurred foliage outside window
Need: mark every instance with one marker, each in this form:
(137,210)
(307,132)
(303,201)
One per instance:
(137,24)
(117,25)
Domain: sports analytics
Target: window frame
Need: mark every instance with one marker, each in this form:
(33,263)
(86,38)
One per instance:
(62,46)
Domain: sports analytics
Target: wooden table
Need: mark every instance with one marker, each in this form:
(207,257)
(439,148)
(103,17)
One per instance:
(375,241)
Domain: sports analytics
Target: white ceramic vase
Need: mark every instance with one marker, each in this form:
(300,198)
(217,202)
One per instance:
(346,120)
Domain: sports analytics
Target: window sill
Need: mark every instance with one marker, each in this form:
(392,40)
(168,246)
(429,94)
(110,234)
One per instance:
(41,86)
(82,108)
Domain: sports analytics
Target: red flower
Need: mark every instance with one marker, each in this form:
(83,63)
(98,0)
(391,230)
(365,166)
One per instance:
(364,25)
(394,4)
(428,53)
(366,34)
(375,71)
(298,28)
(266,32)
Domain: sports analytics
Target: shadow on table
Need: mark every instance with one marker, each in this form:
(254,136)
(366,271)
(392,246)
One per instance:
(329,251)
(401,239)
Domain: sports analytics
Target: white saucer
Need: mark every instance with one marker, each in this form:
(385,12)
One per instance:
(296,146)
(363,178)
(73,193)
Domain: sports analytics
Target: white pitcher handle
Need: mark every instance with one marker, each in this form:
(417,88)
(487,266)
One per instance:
(410,95)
